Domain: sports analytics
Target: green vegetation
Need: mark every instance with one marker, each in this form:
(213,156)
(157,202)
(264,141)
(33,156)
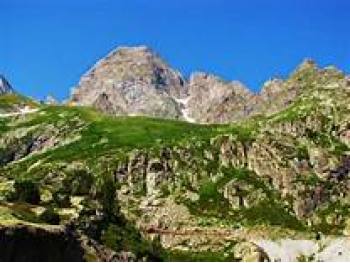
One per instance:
(125,237)
(26,190)
(66,162)
(328,141)
(270,212)
(18,212)
(331,218)
(92,135)
(8,101)
(3,125)
(50,216)
(199,256)
(267,207)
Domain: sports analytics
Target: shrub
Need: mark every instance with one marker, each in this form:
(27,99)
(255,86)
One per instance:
(26,191)
(50,216)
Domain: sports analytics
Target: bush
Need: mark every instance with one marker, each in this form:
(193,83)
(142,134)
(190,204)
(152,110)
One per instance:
(26,191)
(50,216)
(61,199)
(78,181)
(127,238)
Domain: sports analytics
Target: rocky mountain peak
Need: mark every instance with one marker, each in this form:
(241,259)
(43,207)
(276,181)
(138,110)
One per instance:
(271,87)
(305,68)
(212,98)
(210,81)
(307,63)
(5,86)
(135,80)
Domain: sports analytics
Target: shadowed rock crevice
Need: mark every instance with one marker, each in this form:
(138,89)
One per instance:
(28,243)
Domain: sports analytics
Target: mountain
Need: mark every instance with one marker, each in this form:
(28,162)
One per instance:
(213,100)
(269,183)
(5,87)
(136,81)
(12,103)
(132,81)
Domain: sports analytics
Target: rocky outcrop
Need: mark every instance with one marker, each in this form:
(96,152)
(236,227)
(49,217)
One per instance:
(132,81)
(211,99)
(5,86)
(53,243)
(248,252)
(30,243)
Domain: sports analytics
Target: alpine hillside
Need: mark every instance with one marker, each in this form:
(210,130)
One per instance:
(144,164)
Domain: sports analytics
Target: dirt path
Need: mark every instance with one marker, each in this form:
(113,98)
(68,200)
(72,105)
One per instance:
(190,232)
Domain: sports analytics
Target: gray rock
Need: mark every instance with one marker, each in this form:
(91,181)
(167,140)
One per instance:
(212,99)
(5,86)
(132,81)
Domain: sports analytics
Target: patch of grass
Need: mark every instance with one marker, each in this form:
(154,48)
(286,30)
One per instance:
(336,210)
(270,212)
(309,180)
(3,125)
(196,256)
(296,111)
(302,152)
(8,101)
(125,237)
(328,141)
(17,212)
(103,135)
(211,201)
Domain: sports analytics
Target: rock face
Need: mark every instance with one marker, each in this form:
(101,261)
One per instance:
(277,94)
(136,81)
(212,100)
(5,86)
(27,243)
(248,252)
(132,81)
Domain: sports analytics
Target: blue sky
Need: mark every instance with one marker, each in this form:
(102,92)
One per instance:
(46,45)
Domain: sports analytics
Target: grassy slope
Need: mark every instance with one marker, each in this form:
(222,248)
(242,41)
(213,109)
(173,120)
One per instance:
(103,135)
(8,101)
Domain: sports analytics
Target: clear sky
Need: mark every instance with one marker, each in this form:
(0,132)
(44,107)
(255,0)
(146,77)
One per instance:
(46,45)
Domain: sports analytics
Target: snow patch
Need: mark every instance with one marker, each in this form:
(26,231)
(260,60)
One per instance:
(184,109)
(287,249)
(328,249)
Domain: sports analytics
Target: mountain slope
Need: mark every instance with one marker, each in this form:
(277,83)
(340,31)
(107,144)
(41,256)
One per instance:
(12,103)
(212,100)
(223,192)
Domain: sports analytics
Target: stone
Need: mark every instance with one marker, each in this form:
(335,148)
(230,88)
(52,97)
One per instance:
(5,86)
(212,99)
(249,252)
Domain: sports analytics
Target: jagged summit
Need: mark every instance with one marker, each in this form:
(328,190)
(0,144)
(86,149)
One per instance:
(5,86)
(308,63)
(212,99)
(136,81)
